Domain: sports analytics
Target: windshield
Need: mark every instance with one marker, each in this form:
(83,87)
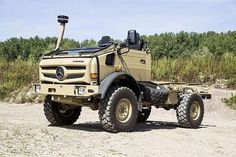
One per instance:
(77,51)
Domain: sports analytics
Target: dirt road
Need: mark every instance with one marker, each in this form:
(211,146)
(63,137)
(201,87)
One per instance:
(24,131)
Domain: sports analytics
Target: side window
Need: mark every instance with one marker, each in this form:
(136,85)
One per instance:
(110,59)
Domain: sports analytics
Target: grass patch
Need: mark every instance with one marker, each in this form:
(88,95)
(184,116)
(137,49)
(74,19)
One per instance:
(231,83)
(231,102)
(204,68)
(16,75)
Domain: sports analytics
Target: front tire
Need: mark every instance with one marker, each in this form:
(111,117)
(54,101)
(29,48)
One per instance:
(190,111)
(56,115)
(118,110)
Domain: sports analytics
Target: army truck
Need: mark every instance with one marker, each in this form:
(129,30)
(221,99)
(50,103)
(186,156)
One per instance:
(114,79)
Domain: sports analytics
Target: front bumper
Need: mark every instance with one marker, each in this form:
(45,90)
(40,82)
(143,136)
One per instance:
(66,90)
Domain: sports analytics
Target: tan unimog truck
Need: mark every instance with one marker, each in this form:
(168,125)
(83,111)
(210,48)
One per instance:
(115,80)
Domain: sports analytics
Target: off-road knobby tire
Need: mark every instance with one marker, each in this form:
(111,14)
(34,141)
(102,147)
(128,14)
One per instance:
(183,110)
(55,117)
(156,97)
(143,115)
(107,109)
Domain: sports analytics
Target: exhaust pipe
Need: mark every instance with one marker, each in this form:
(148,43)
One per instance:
(62,19)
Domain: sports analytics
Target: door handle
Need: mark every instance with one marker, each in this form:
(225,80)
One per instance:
(142,61)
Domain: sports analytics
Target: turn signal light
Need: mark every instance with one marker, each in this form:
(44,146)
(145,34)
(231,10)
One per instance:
(94,75)
(118,68)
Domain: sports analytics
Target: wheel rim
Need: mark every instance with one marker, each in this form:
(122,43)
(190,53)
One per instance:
(123,110)
(195,110)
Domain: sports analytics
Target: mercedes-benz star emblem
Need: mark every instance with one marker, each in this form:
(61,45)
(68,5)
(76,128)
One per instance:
(60,73)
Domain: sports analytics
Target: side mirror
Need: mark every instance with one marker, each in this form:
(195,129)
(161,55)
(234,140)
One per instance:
(122,45)
(132,37)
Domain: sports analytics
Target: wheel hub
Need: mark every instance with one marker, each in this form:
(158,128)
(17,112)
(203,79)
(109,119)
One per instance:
(65,112)
(123,110)
(195,110)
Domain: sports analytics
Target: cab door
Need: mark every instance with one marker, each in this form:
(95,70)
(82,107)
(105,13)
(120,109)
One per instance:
(134,63)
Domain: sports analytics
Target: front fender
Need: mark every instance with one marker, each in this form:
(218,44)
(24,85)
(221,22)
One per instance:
(105,84)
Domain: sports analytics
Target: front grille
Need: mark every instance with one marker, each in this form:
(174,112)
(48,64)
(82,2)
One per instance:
(73,72)
(75,76)
(67,67)
(50,75)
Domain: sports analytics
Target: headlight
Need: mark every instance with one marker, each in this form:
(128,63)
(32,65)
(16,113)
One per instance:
(36,88)
(80,90)
(94,69)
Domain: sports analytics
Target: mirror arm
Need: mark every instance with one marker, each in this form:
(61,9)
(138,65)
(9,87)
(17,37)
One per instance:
(119,51)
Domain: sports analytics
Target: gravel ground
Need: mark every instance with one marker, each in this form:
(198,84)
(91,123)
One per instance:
(24,131)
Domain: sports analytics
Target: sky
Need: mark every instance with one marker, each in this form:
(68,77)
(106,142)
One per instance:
(91,19)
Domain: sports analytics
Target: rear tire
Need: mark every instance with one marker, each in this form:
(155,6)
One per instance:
(155,96)
(118,110)
(190,111)
(57,116)
(143,115)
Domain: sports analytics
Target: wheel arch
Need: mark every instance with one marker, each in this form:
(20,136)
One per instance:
(119,78)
